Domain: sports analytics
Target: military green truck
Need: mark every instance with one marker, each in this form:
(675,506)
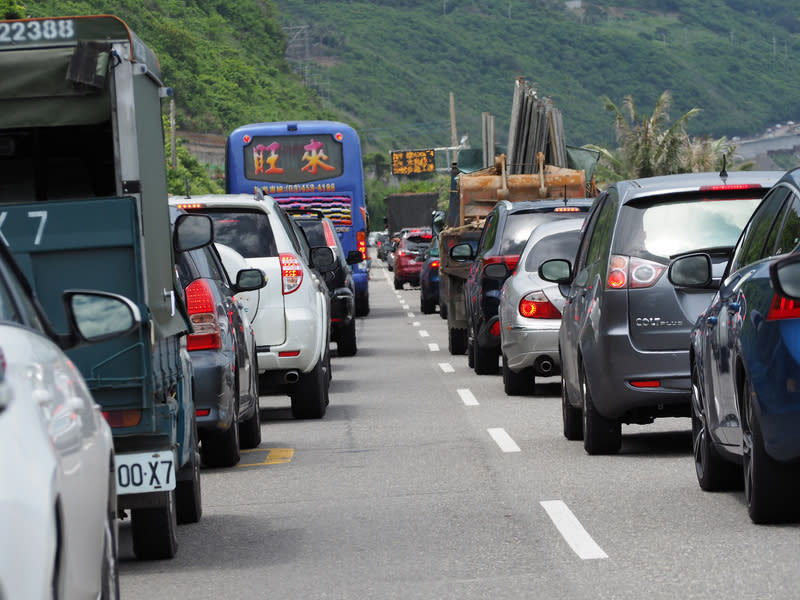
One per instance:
(83,205)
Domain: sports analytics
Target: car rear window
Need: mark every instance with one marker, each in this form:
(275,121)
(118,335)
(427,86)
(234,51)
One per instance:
(247,232)
(559,245)
(417,243)
(661,230)
(313,231)
(519,226)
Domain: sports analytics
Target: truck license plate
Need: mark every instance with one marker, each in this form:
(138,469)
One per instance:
(145,472)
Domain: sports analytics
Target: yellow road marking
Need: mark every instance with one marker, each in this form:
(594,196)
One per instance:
(274,456)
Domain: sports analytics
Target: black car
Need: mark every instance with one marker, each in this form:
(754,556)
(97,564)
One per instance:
(502,240)
(222,350)
(321,231)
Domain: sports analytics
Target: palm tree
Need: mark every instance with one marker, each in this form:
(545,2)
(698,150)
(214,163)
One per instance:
(648,146)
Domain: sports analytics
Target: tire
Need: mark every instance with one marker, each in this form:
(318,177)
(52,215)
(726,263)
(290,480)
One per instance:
(456,340)
(362,305)
(471,353)
(221,448)
(250,429)
(398,285)
(518,384)
(571,416)
(426,307)
(600,435)
(310,394)
(770,488)
(485,361)
(155,530)
(346,340)
(714,473)
(109,573)
(188,494)
(443,311)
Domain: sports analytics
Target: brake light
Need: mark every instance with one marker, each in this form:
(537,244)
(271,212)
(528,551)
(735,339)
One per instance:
(494,330)
(190,206)
(731,187)
(535,305)
(632,272)
(783,308)
(330,236)
(654,383)
(434,264)
(203,412)
(567,209)
(123,418)
(202,314)
(291,272)
(361,237)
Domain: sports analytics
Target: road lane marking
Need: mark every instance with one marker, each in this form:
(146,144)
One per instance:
(423,333)
(410,315)
(406,307)
(274,456)
(433,347)
(503,440)
(467,397)
(572,531)
(416,323)
(447,367)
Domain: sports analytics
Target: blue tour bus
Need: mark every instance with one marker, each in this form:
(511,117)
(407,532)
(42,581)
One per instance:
(307,165)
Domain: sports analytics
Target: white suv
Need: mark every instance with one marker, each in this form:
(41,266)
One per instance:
(291,315)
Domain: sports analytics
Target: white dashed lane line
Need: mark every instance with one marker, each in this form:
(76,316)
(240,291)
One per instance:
(503,440)
(572,531)
(433,347)
(467,397)
(447,367)
(423,333)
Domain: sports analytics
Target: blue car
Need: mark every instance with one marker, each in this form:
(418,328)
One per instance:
(745,361)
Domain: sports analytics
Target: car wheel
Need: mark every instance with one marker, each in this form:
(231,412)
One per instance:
(310,394)
(485,362)
(456,340)
(398,284)
(250,429)
(714,473)
(572,417)
(362,305)
(188,493)
(426,307)
(221,448)
(443,311)
(600,435)
(154,530)
(770,487)
(346,340)
(109,584)
(518,384)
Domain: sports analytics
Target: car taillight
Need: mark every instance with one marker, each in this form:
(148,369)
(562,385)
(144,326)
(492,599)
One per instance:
(330,236)
(202,314)
(632,272)
(291,272)
(434,264)
(783,308)
(494,329)
(535,305)
(361,236)
(123,418)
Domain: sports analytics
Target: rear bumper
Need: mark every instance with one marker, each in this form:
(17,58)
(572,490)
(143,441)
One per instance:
(524,346)
(214,389)
(342,307)
(301,347)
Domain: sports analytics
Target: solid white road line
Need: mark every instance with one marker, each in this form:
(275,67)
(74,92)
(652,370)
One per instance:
(467,397)
(503,440)
(571,529)
(447,367)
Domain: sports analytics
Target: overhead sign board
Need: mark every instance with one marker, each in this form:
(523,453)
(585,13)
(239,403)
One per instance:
(412,162)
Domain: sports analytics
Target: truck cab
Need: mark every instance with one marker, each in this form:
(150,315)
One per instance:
(83,205)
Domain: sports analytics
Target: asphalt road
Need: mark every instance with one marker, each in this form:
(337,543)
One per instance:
(425,481)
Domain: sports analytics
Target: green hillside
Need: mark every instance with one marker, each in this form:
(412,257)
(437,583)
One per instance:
(388,66)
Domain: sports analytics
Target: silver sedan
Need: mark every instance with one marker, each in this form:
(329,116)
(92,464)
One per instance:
(530,308)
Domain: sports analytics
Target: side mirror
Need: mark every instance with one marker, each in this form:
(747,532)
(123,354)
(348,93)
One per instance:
(496,271)
(691,270)
(192,231)
(248,280)
(556,270)
(784,274)
(99,316)
(462,252)
(354,257)
(322,259)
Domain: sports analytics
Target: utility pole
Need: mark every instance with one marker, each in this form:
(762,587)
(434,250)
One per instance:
(454,136)
(173,149)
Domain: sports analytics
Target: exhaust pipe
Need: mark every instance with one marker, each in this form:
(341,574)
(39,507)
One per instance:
(543,365)
(291,376)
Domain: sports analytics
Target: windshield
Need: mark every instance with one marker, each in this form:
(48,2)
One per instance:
(663,230)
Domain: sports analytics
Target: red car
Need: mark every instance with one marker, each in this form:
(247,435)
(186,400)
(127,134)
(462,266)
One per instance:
(406,264)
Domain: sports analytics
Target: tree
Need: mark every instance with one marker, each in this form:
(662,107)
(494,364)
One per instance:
(11,9)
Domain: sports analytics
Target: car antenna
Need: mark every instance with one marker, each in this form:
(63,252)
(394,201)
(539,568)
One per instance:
(724,173)
(565,194)
(188,188)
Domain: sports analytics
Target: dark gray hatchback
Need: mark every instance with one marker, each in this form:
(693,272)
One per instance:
(625,328)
